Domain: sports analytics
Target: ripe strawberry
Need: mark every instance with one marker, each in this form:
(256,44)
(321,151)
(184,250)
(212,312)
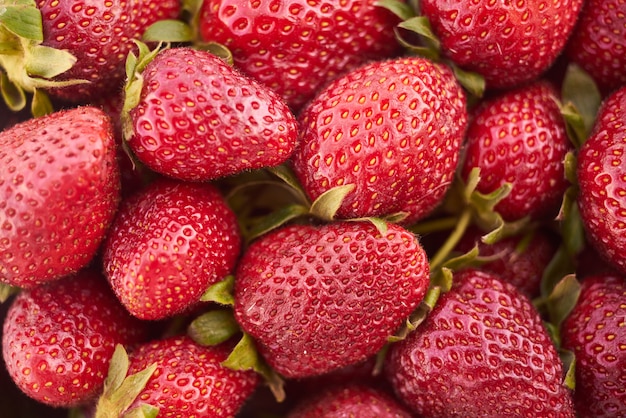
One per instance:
(507,42)
(598,42)
(190,381)
(601,175)
(519,137)
(168,243)
(393,129)
(59,189)
(481,352)
(295,48)
(58,338)
(349,401)
(594,331)
(317,298)
(199,119)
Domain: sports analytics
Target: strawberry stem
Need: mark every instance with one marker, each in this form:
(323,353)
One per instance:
(453,239)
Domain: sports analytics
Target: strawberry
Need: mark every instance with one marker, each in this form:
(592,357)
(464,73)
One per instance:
(296,48)
(393,129)
(519,137)
(59,190)
(168,243)
(318,298)
(198,119)
(507,42)
(601,176)
(190,381)
(598,42)
(594,331)
(58,338)
(481,352)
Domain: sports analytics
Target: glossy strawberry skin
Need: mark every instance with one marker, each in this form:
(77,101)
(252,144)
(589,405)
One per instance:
(393,129)
(481,352)
(508,43)
(199,119)
(59,190)
(594,331)
(602,180)
(519,137)
(190,381)
(100,36)
(58,338)
(297,47)
(316,299)
(168,243)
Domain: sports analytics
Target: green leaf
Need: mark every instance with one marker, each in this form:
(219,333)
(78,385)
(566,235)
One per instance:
(41,104)
(168,30)
(569,365)
(563,299)
(574,124)
(420,50)
(473,82)
(22,18)
(325,207)
(12,94)
(118,368)
(421,26)
(46,62)
(580,91)
(276,219)
(221,292)
(213,328)
(401,9)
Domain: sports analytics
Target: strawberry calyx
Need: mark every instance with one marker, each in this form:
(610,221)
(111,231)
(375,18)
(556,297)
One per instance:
(6,291)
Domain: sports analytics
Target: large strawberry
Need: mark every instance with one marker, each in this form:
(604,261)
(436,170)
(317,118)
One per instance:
(482,352)
(297,47)
(317,298)
(58,338)
(393,129)
(59,189)
(507,42)
(594,331)
(601,173)
(168,243)
(197,118)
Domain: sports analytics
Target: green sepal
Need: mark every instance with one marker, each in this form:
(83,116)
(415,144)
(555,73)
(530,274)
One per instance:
(419,50)
(217,49)
(6,291)
(221,292)
(421,26)
(286,174)
(168,30)
(276,219)
(22,18)
(41,104)
(12,95)
(574,125)
(572,227)
(473,82)
(419,315)
(563,299)
(142,411)
(581,95)
(380,224)
(46,62)
(568,358)
(402,10)
(559,266)
(327,204)
(213,328)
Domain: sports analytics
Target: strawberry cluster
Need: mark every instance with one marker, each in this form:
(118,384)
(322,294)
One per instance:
(305,209)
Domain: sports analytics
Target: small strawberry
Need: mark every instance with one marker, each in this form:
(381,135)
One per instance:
(59,189)
(198,118)
(58,338)
(393,129)
(507,42)
(594,331)
(168,243)
(519,137)
(482,352)
(296,48)
(318,298)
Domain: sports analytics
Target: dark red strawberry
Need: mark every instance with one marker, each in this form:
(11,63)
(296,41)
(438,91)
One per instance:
(59,189)
(393,129)
(519,137)
(507,42)
(295,48)
(318,298)
(481,352)
(200,119)
(168,243)
(58,338)
(601,177)
(190,380)
(594,331)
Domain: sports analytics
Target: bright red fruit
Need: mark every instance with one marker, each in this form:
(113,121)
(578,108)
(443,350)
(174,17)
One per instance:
(393,129)
(482,352)
(58,338)
(317,298)
(167,245)
(59,189)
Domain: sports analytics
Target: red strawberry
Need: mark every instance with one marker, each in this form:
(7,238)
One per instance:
(317,298)
(393,129)
(594,331)
(199,119)
(58,338)
(59,189)
(506,42)
(297,47)
(168,243)
(190,381)
(601,174)
(481,352)
(598,42)
(519,137)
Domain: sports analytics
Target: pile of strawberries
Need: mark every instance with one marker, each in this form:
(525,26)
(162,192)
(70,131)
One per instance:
(305,209)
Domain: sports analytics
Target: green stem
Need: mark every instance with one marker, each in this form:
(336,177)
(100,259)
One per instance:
(453,239)
(435,225)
